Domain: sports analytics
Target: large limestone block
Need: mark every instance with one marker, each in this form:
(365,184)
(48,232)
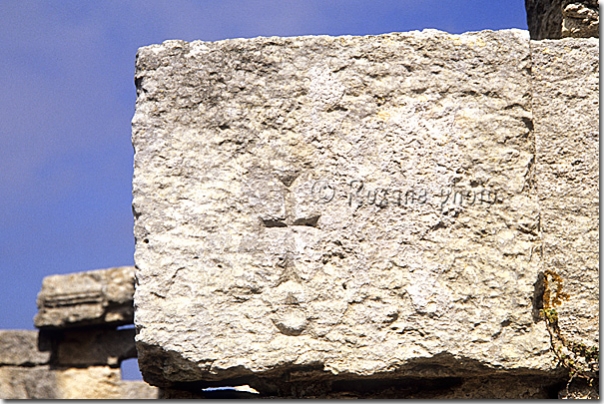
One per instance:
(565,107)
(320,207)
(102,296)
(20,348)
(94,382)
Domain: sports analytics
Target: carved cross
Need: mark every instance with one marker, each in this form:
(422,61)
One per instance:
(286,210)
(287,205)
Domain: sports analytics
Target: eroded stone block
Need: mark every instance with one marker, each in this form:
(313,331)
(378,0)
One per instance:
(20,348)
(101,296)
(93,382)
(566,118)
(320,207)
(36,382)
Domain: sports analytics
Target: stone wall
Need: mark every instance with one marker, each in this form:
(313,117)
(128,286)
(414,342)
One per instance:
(418,209)
(460,262)
(79,349)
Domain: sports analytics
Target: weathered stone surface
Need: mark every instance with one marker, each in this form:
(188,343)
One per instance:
(101,296)
(27,383)
(95,347)
(95,382)
(580,19)
(555,19)
(136,390)
(565,107)
(319,207)
(20,348)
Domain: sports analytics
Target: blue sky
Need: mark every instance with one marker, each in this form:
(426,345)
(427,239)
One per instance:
(67,97)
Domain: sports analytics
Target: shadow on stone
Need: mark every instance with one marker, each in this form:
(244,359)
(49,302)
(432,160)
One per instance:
(442,376)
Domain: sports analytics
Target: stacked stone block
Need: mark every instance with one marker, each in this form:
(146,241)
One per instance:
(78,351)
(469,165)
(317,211)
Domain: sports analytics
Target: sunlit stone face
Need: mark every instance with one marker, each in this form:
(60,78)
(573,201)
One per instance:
(353,205)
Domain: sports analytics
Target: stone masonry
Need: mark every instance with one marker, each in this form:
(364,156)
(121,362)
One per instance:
(78,352)
(412,215)
(87,298)
(316,211)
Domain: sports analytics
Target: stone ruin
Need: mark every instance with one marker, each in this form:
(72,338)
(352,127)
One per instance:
(411,215)
(81,343)
(315,215)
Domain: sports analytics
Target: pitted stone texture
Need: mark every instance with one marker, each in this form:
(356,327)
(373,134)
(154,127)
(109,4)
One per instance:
(20,348)
(566,105)
(101,296)
(336,207)
(580,19)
